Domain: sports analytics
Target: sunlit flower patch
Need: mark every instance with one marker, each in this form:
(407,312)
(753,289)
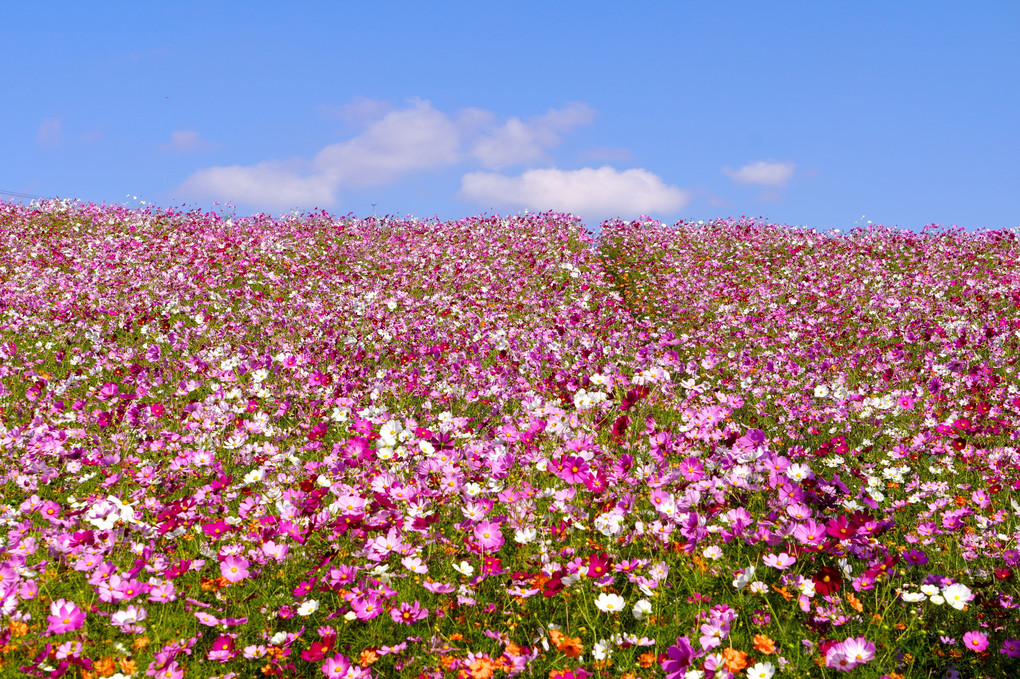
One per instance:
(320,446)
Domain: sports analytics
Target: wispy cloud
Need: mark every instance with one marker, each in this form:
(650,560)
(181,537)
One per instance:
(50,131)
(187,141)
(524,141)
(606,154)
(763,172)
(592,193)
(272,184)
(359,111)
(394,143)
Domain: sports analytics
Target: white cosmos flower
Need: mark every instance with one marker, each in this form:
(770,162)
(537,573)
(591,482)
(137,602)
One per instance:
(464,568)
(743,578)
(610,603)
(525,535)
(641,609)
(798,472)
(821,391)
(308,607)
(763,670)
(957,595)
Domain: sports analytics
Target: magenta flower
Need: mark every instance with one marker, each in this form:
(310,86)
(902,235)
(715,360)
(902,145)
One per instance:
(680,656)
(65,616)
(975,641)
(222,649)
(489,536)
(1010,648)
(408,614)
(234,568)
(573,469)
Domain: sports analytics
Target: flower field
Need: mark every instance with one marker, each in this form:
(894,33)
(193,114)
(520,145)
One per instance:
(502,446)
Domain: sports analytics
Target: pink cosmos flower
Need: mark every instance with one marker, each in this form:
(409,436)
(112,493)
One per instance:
(207,619)
(275,551)
(975,641)
(336,667)
(810,533)
(234,568)
(367,607)
(109,390)
(692,469)
(162,592)
(837,659)
(171,671)
(712,634)
(65,616)
(781,561)
(489,536)
(859,650)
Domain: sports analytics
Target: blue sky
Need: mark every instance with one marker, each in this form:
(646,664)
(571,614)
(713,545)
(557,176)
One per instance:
(807,113)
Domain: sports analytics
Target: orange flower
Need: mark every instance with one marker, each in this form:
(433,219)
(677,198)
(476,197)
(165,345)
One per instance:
(646,660)
(128,666)
(104,667)
(570,646)
(734,660)
(784,592)
(854,601)
(481,668)
(764,644)
(367,657)
(514,650)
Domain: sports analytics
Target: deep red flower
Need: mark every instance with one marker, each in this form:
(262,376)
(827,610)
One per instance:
(827,581)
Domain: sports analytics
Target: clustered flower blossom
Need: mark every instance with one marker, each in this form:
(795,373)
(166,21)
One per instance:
(318,445)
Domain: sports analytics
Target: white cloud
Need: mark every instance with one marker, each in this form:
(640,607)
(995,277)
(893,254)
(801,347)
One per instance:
(49,132)
(764,172)
(187,141)
(518,141)
(417,137)
(272,184)
(360,110)
(591,193)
